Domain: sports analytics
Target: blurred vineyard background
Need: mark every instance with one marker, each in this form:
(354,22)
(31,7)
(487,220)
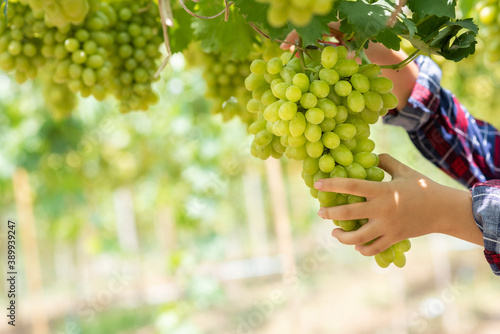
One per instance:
(162,222)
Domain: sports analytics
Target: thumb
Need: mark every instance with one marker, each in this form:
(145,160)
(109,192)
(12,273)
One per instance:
(393,166)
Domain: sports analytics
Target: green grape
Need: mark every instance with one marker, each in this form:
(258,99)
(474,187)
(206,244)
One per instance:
(381,85)
(338,171)
(355,199)
(355,171)
(365,159)
(370,117)
(330,140)
(373,101)
(279,90)
(346,67)
(327,125)
(343,88)
(389,100)
(293,93)
(364,145)
(298,124)
(341,115)
(329,76)
(399,260)
(315,115)
(329,57)
(287,73)
(297,141)
(347,225)
(345,131)
(387,255)
(360,82)
(254,81)
(342,155)
(402,246)
(328,107)
(370,70)
(356,101)
(302,81)
(312,132)
(310,165)
(327,199)
(274,65)
(326,163)
(380,262)
(314,149)
(287,110)
(308,100)
(258,66)
(319,88)
(350,143)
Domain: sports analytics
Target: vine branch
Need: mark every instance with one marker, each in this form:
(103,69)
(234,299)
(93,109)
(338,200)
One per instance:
(225,11)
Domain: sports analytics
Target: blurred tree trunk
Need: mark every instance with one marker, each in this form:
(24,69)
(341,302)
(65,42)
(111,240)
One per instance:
(25,225)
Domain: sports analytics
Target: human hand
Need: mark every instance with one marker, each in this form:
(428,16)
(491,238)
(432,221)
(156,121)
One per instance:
(408,206)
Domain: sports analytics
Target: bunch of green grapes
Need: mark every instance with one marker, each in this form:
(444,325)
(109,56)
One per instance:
(135,53)
(61,12)
(80,53)
(298,12)
(225,86)
(320,112)
(488,14)
(59,99)
(20,43)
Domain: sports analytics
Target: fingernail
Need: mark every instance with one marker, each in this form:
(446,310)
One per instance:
(318,185)
(321,212)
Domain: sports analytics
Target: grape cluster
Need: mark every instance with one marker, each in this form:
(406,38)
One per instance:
(488,14)
(135,54)
(61,12)
(298,12)
(320,112)
(225,86)
(20,43)
(114,50)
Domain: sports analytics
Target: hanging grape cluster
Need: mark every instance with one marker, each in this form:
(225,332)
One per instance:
(113,50)
(298,12)
(488,16)
(320,112)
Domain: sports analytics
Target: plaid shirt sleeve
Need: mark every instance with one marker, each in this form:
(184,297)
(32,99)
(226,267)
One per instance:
(465,148)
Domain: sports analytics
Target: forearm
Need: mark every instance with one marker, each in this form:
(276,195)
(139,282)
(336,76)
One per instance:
(456,215)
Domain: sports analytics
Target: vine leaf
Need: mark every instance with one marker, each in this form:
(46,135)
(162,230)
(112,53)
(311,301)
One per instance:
(256,13)
(314,30)
(366,19)
(233,38)
(433,7)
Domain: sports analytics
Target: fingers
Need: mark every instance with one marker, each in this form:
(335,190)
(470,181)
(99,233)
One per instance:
(291,38)
(393,166)
(379,245)
(356,187)
(363,235)
(347,211)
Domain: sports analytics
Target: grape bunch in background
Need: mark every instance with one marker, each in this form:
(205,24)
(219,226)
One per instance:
(298,12)
(113,50)
(58,13)
(319,112)
(488,14)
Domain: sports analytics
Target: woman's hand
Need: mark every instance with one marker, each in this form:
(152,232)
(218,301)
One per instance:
(408,206)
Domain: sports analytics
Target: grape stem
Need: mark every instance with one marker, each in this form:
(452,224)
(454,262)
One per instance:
(301,55)
(405,62)
(225,11)
(167,19)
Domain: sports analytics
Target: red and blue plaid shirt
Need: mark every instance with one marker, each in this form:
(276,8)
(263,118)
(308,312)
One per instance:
(465,148)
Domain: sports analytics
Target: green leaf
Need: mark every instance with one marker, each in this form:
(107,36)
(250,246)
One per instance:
(410,25)
(429,27)
(423,8)
(256,13)
(234,38)
(463,46)
(389,39)
(182,32)
(314,30)
(366,19)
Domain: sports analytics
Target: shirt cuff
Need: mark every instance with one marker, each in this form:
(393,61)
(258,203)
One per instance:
(424,99)
(486,211)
